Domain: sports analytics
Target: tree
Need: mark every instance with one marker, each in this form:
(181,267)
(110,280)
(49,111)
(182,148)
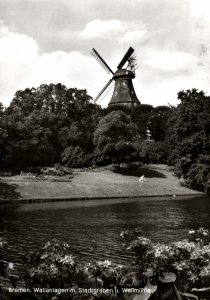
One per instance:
(189,136)
(158,120)
(191,125)
(114,138)
(3,135)
(141,117)
(41,122)
(154,152)
(54,98)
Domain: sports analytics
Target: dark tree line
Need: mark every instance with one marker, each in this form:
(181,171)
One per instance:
(52,124)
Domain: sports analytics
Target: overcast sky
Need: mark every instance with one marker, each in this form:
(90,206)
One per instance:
(49,41)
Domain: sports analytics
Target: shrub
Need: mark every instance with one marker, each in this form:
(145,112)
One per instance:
(196,175)
(75,157)
(57,170)
(154,152)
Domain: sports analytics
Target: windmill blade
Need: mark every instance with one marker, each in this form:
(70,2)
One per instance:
(105,90)
(101,61)
(125,57)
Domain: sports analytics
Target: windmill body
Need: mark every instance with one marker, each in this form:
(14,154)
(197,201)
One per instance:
(124,93)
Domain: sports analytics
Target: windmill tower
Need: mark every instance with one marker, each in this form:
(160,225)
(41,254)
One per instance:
(124,93)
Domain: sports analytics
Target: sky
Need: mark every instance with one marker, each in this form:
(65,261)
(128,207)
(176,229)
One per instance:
(49,41)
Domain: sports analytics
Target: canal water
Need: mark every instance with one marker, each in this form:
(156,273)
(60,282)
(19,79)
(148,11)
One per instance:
(92,228)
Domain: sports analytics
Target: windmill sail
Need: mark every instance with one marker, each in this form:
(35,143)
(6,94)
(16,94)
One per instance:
(105,90)
(125,58)
(101,61)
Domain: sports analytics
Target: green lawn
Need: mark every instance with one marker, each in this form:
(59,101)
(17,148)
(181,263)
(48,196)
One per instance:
(102,182)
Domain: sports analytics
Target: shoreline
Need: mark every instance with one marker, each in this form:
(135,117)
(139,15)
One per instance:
(48,200)
(101,183)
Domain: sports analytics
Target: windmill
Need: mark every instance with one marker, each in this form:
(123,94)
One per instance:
(124,93)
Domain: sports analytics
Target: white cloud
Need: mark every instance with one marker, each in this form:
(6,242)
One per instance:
(171,61)
(17,45)
(114,29)
(135,36)
(22,66)
(4,30)
(18,55)
(102,29)
(14,45)
(200,8)
(157,87)
(73,69)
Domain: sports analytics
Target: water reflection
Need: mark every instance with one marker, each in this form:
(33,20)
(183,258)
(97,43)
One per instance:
(92,228)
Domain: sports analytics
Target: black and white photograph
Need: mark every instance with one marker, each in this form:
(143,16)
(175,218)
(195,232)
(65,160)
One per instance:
(104,149)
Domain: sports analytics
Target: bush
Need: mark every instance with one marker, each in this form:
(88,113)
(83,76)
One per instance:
(75,157)
(196,175)
(186,262)
(57,170)
(154,152)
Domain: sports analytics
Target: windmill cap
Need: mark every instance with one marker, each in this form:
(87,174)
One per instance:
(124,74)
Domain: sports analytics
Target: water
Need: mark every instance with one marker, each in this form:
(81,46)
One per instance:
(92,228)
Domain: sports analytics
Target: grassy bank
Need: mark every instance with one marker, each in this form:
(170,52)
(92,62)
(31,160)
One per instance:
(102,182)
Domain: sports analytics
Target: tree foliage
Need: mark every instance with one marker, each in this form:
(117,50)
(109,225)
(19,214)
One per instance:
(158,122)
(76,157)
(114,137)
(153,152)
(189,138)
(141,116)
(41,122)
